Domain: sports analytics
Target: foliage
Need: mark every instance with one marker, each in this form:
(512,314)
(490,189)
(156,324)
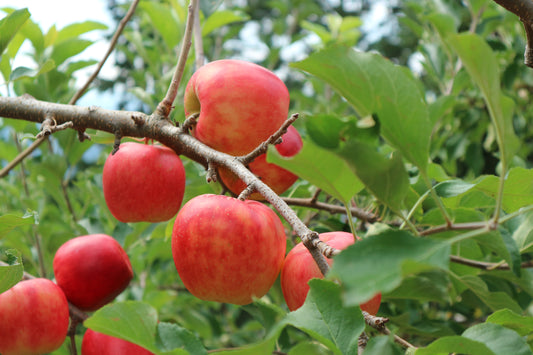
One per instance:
(435,139)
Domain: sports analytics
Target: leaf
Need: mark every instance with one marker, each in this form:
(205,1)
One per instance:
(494,300)
(523,235)
(382,345)
(164,21)
(385,177)
(8,222)
(452,188)
(309,348)
(222,18)
(481,63)
(321,168)
(455,344)
(518,190)
(23,72)
(131,320)
(10,25)
(69,48)
(523,325)
(501,340)
(325,318)
(76,29)
(12,273)
(379,263)
(265,313)
(172,337)
(374,85)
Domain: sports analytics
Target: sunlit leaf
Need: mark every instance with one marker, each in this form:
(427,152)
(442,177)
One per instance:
(10,25)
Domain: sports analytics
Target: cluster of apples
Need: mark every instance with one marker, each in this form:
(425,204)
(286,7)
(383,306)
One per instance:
(225,249)
(90,271)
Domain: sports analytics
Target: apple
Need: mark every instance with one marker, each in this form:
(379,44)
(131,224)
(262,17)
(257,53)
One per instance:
(92,270)
(95,343)
(143,183)
(240,105)
(34,318)
(227,250)
(299,267)
(277,178)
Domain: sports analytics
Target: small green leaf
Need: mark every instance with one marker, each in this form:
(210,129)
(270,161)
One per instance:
(69,48)
(23,72)
(222,18)
(10,25)
(385,177)
(76,29)
(325,318)
(321,168)
(455,344)
(382,345)
(11,274)
(309,348)
(268,314)
(501,340)
(164,21)
(379,263)
(452,188)
(172,337)
(131,320)
(523,325)
(9,222)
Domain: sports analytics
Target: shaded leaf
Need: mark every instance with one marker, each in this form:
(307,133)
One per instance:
(9,222)
(172,337)
(12,273)
(501,340)
(523,325)
(455,344)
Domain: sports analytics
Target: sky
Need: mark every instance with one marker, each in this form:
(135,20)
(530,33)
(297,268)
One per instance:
(64,12)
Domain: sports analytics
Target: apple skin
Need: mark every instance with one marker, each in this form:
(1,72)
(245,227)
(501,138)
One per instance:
(143,183)
(34,318)
(240,103)
(95,343)
(92,270)
(227,250)
(277,178)
(299,267)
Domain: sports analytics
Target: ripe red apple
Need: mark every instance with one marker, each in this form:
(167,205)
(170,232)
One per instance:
(95,343)
(240,104)
(299,267)
(277,178)
(92,270)
(227,250)
(143,183)
(34,318)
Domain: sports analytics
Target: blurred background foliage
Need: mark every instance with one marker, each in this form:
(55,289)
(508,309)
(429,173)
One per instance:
(56,193)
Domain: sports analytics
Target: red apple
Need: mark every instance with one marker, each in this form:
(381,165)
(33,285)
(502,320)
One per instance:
(299,267)
(143,183)
(92,270)
(240,104)
(34,318)
(95,343)
(227,250)
(277,178)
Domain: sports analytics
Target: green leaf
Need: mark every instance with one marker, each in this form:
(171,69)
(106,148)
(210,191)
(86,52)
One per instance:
(523,235)
(265,313)
(309,348)
(518,190)
(76,29)
(382,345)
(374,85)
(222,18)
(69,48)
(8,222)
(10,25)
(523,325)
(452,188)
(131,320)
(385,177)
(379,263)
(494,300)
(164,21)
(321,168)
(501,340)
(482,65)
(325,318)
(455,344)
(171,337)
(11,274)
(23,72)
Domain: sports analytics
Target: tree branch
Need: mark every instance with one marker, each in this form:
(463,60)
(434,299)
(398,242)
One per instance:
(122,124)
(486,265)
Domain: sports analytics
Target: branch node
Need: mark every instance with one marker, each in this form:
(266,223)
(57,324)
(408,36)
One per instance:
(82,136)
(138,120)
(189,122)
(50,126)
(247,192)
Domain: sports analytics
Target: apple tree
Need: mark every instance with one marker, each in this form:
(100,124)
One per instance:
(414,143)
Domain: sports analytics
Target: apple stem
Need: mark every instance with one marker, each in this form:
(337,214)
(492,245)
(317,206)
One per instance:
(211,173)
(116,144)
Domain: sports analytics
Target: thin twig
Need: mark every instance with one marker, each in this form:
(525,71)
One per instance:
(165,106)
(198,40)
(486,265)
(379,323)
(454,227)
(310,203)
